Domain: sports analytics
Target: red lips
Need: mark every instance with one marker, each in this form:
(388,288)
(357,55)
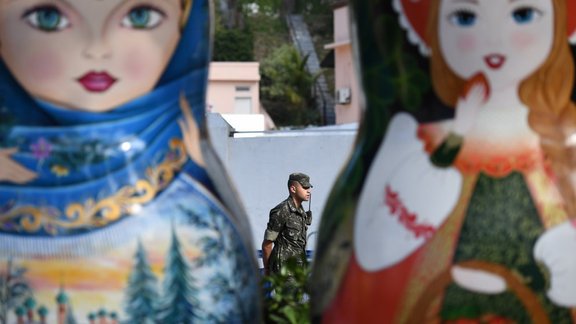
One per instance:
(96,81)
(494,61)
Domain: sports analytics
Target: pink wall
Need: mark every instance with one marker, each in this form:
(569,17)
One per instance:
(341,24)
(344,70)
(233,87)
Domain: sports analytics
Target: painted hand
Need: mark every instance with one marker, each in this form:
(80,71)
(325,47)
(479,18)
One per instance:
(556,249)
(469,105)
(190,132)
(11,171)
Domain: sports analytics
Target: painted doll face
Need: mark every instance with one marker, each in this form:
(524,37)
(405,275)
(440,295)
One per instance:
(88,55)
(506,40)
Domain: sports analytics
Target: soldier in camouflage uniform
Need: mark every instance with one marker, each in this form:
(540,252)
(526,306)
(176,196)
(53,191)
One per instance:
(287,227)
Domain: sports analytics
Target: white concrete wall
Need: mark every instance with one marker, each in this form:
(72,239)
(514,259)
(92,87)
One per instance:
(259,166)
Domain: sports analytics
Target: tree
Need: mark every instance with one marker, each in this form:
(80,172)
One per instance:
(232,42)
(286,88)
(230,280)
(141,292)
(266,6)
(288,303)
(179,302)
(233,45)
(14,289)
(232,13)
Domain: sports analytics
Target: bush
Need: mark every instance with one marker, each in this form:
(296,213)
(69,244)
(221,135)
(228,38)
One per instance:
(286,88)
(233,45)
(287,295)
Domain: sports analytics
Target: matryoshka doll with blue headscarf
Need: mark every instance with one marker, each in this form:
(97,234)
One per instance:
(112,205)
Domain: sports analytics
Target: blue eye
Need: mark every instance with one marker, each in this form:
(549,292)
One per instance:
(143,17)
(47,18)
(462,18)
(525,15)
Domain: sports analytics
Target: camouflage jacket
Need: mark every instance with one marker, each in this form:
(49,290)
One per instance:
(287,229)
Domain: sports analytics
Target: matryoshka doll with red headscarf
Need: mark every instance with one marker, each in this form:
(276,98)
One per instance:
(459,201)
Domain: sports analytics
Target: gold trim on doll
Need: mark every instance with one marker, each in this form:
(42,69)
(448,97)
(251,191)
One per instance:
(91,214)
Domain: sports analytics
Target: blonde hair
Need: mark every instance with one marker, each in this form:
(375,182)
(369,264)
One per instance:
(552,114)
(186,7)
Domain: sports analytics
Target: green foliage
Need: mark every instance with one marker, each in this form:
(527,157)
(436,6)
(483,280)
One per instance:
(141,292)
(233,45)
(288,295)
(286,88)
(299,6)
(314,7)
(265,6)
(179,304)
(270,32)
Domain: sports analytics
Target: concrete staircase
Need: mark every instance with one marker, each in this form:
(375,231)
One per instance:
(303,42)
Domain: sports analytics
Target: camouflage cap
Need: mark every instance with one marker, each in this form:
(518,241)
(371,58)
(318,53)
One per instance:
(301,178)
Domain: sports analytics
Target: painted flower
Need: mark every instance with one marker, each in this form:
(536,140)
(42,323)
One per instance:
(41,149)
(60,170)
(175,142)
(171,156)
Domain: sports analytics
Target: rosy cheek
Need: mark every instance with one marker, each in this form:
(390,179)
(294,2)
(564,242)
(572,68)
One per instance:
(141,66)
(466,43)
(41,67)
(134,64)
(522,40)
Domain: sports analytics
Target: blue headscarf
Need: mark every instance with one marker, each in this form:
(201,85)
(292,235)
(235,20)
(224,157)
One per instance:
(94,167)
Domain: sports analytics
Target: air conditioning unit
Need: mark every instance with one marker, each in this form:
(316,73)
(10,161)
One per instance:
(343,96)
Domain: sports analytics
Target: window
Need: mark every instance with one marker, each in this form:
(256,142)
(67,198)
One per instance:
(243,105)
(242,88)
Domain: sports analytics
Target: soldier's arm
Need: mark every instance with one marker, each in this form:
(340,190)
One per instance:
(275,225)
(266,251)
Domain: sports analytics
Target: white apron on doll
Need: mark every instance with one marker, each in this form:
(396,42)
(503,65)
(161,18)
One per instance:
(107,210)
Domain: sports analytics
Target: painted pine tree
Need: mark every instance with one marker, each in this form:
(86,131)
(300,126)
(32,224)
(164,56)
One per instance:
(226,281)
(221,257)
(179,303)
(142,290)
